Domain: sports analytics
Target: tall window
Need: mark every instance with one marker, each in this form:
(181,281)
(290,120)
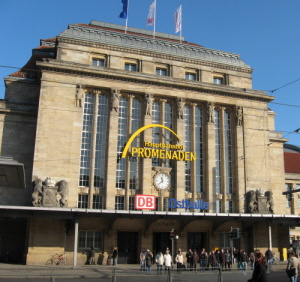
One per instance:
(187,129)
(167,137)
(218,206)
(218,151)
(97,202)
(224,240)
(199,150)
(87,139)
(83,200)
(122,139)
(228,152)
(228,206)
(129,121)
(120,203)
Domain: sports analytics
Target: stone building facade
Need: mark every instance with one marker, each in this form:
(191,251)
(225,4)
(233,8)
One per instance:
(202,141)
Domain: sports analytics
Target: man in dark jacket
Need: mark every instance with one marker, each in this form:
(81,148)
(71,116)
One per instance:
(189,259)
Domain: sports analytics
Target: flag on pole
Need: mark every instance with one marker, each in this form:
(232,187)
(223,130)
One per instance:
(151,14)
(123,14)
(178,19)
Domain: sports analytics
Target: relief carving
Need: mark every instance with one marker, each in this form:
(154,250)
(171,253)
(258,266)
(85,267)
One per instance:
(260,202)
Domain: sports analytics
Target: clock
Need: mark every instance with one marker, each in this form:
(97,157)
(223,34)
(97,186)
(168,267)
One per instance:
(162,181)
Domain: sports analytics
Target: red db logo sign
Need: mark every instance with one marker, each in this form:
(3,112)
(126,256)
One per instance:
(144,202)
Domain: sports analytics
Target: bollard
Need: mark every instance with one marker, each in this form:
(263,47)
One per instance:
(220,278)
(169,275)
(114,278)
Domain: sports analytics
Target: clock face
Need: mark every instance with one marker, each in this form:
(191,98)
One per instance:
(162,181)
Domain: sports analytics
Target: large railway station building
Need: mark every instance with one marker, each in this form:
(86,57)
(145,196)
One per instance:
(113,139)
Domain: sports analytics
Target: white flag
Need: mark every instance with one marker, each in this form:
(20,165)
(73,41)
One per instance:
(178,19)
(151,15)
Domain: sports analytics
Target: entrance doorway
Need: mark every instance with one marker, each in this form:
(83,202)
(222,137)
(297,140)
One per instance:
(161,240)
(127,247)
(197,241)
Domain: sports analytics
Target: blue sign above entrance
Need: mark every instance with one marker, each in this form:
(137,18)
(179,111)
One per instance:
(186,204)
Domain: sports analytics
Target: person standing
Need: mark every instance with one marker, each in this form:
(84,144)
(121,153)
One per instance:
(252,259)
(148,259)
(195,260)
(222,259)
(159,259)
(260,269)
(143,260)
(293,262)
(92,256)
(167,261)
(115,256)
(203,259)
(189,259)
(228,259)
(212,259)
(179,260)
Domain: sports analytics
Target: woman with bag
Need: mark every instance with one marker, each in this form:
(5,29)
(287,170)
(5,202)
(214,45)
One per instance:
(260,269)
(292,267)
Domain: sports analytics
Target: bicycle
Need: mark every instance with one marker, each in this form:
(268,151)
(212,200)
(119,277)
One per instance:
(56,260)
(275,260)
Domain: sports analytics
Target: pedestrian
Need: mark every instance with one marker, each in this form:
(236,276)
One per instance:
(92,256)
(217,254)
(148,259)
(167,261)
(195,260)
(260,269)
(252,260)
(189,259)
(269,257)
(159,259)
(293,263)
(143,260)
(115,255)
(222,258)
(203,259)
(228,260)
(244,262)
(212,259)
(179,260)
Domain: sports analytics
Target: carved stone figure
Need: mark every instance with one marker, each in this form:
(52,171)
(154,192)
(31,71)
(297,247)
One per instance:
(180,107)
(149,104)
(239,115)
(47,194)
(210,112)
(37,193)
(79,96)
(260,202)
(115,100)
(252,204)
(63,191)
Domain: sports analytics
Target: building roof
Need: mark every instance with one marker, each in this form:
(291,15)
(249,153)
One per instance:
(292,162)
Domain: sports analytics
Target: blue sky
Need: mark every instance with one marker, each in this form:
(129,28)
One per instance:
(264,32)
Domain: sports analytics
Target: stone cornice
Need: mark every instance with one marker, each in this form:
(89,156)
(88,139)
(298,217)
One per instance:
(141,78)
(225,64)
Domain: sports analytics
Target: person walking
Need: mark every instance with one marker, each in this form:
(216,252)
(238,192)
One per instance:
(159,259)
(115,256)
(260,269)
(148,259)
(252,260)
(244,262)
(293,262)
(269,256)
(179,260)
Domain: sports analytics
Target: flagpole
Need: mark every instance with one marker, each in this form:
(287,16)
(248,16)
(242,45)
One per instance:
(127,17)
(154,19)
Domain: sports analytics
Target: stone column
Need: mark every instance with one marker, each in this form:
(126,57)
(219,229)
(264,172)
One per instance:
(210,156)
(112,150)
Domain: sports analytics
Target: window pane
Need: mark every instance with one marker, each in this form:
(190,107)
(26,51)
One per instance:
(130,67)
(161,72)
(187,145)
(218,80)
(190,76)
(98,62)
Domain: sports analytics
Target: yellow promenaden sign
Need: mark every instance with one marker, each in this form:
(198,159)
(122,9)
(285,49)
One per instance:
(158,150)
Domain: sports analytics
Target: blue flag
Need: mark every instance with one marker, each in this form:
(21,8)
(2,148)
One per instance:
(123,14)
